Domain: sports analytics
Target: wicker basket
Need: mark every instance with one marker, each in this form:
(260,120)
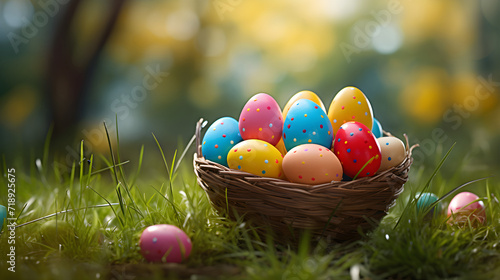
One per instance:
(336,210)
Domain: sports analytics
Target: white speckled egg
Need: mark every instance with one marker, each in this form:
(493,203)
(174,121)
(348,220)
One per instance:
(393,152)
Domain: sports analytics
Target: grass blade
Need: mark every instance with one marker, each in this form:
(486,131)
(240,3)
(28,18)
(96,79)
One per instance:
(118,191)
(141,155)
(368,162)
(453,191)
(171,203)
(82,166)
(110,166)
(162,154)
(46,146)
(330,218)
(170,173)
(426,187)
(111,205)
(190,143)
(66,211)
(461,186)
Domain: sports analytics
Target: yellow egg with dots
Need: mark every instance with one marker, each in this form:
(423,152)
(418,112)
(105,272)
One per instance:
(305,94)
(350,104)
(256,157)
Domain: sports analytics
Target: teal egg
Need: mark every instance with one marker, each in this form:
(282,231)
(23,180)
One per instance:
(425,200)
(377,129)
(3,215)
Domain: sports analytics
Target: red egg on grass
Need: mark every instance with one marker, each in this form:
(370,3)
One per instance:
(465,207)
(355,145)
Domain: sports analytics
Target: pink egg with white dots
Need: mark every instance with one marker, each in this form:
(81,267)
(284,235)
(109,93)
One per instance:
(165,243)
(261,119)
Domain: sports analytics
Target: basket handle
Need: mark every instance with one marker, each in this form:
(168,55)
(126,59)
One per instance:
(409,149)
(199,125)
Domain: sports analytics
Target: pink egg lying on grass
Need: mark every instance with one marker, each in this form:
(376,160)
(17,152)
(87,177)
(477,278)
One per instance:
(462,209)
(165,243)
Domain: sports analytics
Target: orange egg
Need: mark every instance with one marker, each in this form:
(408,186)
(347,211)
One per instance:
(312,164)
(281,147)
(305,94)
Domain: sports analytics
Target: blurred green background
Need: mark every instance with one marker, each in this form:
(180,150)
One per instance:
(430,69)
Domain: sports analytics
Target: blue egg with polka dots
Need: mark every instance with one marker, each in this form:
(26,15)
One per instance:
(220,137)
(377,129)
(307,123)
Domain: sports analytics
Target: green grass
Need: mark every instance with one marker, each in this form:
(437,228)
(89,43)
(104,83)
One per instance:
(108,201)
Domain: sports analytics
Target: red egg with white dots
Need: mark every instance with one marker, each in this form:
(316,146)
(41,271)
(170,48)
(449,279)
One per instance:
(312,164)
(261,119)
(356,146)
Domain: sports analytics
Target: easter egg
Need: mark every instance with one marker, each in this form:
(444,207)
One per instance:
(462,209)
(312,164)
(307,123)
(281,147)
(356,146)
(377,129)
(350,104)
(305,94)
(55,232)
(425,200)
(220,137)
(392,150)
(256,157)
(261,119)
(3,216)
(164,243)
